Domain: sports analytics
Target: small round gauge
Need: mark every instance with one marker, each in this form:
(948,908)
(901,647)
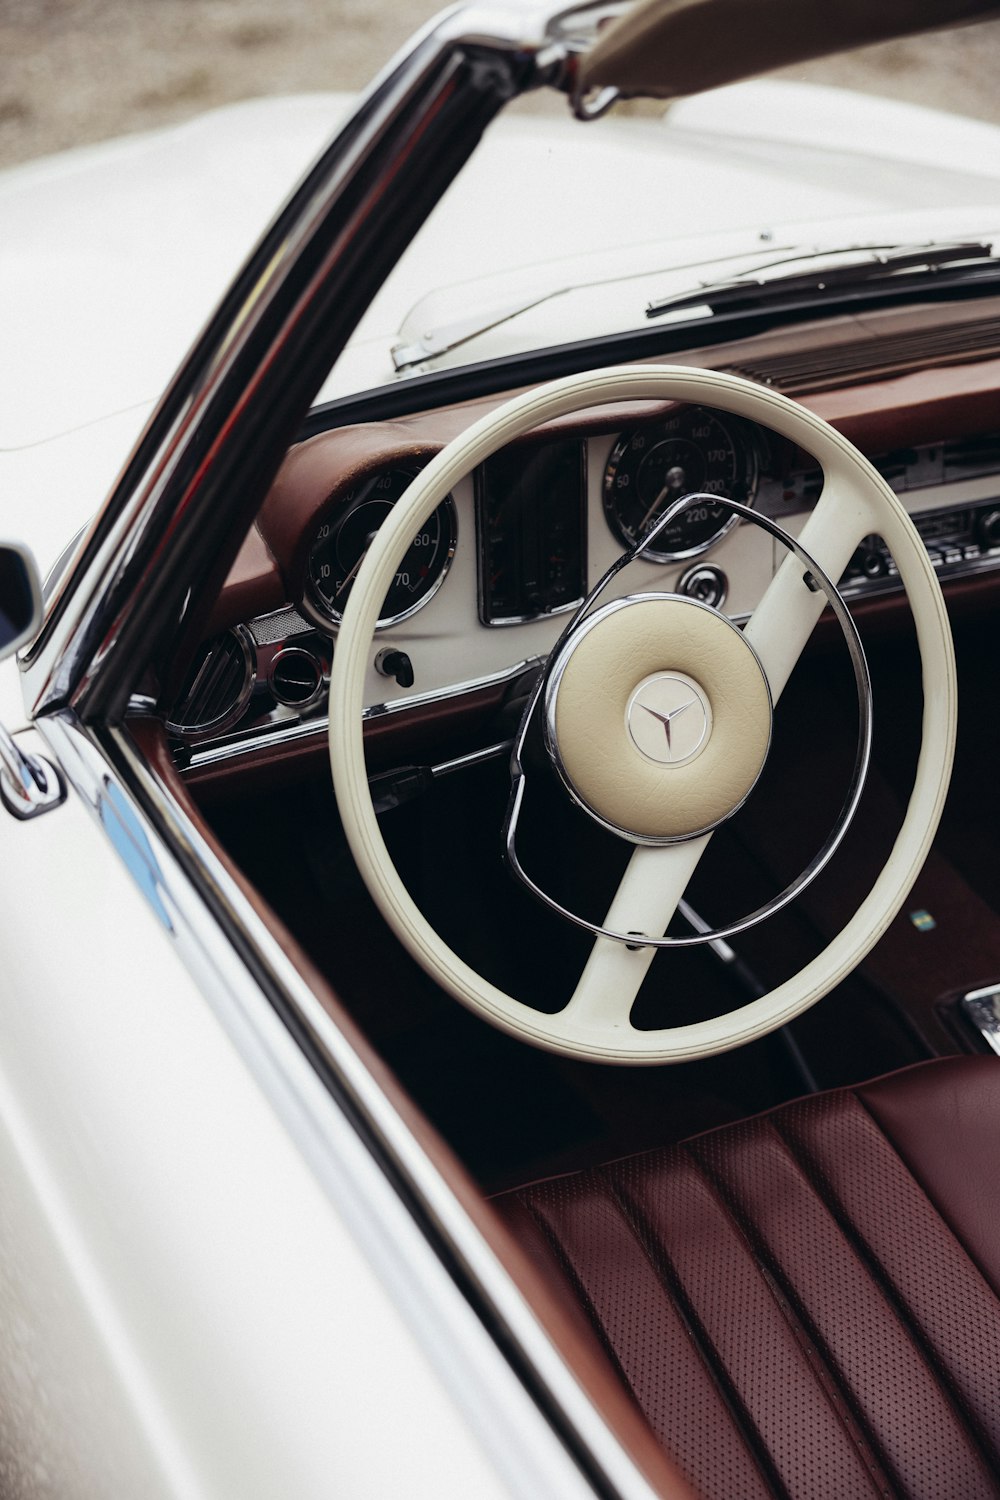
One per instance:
(343,539)
(692,452)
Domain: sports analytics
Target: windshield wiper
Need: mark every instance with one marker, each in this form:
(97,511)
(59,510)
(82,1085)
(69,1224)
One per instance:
(443,340)
(880,264)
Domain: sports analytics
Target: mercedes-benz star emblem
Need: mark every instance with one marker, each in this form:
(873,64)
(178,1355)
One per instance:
(669,718)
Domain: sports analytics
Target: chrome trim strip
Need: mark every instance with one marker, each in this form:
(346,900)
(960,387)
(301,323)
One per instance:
(542,614)
(456,690)
(474,758)
(263,740)
(372,1167)
(268,736)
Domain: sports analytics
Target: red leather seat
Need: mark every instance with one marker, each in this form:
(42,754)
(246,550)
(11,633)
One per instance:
(804,1304)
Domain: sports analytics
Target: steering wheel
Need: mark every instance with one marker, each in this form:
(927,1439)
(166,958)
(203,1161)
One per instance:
(611,689)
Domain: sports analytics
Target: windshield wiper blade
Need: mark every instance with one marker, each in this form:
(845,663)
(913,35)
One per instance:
(881,264)
(443,340)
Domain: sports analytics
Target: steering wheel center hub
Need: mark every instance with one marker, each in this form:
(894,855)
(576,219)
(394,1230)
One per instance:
(658,717)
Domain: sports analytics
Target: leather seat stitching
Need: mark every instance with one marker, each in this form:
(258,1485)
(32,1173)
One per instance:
(668,1276)
(579,1289)
(908,1319)
(836,1390)
(937,1207)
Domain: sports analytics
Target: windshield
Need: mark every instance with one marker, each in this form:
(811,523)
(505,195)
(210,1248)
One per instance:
(556,232)
(535,247)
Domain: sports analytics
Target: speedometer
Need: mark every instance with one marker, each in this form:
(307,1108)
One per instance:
(344,536)
(692,452)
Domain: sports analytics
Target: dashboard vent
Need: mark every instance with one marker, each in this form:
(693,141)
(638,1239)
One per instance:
(218,686)
(874,358)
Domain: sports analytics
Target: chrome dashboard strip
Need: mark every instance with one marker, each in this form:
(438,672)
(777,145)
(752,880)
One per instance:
(268,736)
(474,758)
(265,739)
(375,1171)
(441,695)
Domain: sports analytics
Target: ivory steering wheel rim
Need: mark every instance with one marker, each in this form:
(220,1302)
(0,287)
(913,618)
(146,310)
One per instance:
(855,501)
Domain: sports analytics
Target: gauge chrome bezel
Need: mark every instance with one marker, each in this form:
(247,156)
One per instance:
(742,443)
(311,601)
(231,715)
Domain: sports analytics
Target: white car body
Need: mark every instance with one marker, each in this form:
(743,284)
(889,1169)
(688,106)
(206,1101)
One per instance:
(206,1287)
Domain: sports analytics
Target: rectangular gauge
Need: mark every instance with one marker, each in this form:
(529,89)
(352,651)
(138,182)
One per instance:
(531,519)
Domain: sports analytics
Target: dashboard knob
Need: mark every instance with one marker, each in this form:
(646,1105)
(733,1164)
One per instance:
(707,584)
(395,664)
(988,527)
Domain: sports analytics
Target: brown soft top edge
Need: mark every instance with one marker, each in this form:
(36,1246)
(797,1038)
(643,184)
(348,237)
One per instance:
(665,49)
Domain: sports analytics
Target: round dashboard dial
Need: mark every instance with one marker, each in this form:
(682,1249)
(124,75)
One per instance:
(346,533)
(692,452)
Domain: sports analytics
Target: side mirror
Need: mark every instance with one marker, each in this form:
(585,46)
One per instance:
(20,598)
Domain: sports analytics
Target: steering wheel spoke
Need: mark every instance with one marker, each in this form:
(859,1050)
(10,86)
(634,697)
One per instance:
(786,616)
(648,893)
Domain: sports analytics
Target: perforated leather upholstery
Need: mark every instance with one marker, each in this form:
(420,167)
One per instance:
(804,1304)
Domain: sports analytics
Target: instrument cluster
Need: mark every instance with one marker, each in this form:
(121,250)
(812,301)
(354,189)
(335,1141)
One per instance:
(531,515)
(475,598)
(478,597)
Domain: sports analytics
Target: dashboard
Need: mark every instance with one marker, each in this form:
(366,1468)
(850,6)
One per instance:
(481,595)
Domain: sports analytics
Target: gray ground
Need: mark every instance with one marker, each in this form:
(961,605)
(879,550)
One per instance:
(73,71)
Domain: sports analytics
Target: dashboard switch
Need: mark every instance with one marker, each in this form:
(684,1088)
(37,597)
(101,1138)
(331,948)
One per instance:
(395,664)
(706,583)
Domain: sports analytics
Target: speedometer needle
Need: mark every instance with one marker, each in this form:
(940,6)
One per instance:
(350,577)
(654,507)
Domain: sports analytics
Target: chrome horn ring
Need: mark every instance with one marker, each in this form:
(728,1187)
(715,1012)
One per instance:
(813,577)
